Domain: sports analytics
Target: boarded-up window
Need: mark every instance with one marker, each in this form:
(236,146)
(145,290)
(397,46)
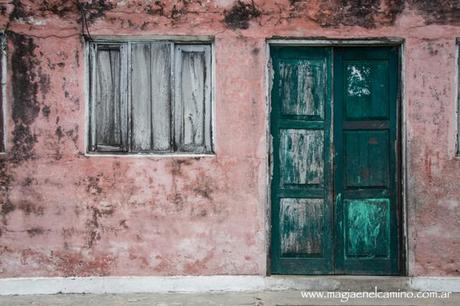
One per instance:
(150,97)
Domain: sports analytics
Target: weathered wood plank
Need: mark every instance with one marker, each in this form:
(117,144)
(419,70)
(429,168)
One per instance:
(161,95)
(301,226)
(301,156)
(141,102)
(193,99)
(109,103)
(303,87)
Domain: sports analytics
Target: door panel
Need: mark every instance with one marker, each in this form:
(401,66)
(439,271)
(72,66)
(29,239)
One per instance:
(366,89)
(301,157)
(365,141)
(362,168)
(302,83)
(367,227)
(301,184)
(300,221)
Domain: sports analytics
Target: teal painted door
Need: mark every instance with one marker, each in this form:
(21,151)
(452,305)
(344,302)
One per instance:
(335,160)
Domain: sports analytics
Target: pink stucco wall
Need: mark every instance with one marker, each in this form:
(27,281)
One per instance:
(64,213)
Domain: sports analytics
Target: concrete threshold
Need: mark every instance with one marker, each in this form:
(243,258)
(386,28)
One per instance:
(223,283)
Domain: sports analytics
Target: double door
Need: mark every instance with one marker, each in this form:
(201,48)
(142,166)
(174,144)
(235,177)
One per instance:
(335,160)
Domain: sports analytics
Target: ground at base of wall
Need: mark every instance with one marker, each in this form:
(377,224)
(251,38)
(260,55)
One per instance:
(255,298)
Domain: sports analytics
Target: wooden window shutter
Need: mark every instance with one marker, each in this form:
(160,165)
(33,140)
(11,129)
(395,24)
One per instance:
(151,97)
(161,96)
(192,105)
(109,98)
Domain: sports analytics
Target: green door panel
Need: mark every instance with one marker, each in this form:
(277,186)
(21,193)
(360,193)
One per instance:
(301,84)
(301,182)
(366,87)
(300,221)
(365,180)
(367,224)
(301,154)
(366,158)
(334,188)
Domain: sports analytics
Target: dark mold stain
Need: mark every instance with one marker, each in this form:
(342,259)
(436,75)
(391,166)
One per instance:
(92,186)
(25,88)
(7,207)
(157,8)
(18,10)
(5,181)
(176,165)
(92,225)
(204,188)
(240,14)
(23,144)
(179,9)
(73,135)
(46,111)
(363,13)
(94,9)
(3,9)
(432,49)
(77,58)
(177,12)
(30,208)
(59,134)
(35,231)
(123,224)
(28,182)
(87,10)
(438,11)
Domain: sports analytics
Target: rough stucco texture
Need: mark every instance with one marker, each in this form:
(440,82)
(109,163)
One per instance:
(63,213)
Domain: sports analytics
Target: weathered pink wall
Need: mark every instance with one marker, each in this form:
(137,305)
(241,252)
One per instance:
(64,213)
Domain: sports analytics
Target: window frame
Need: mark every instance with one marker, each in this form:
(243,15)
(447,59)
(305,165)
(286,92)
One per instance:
(175,42)
(457,98)
(3,100)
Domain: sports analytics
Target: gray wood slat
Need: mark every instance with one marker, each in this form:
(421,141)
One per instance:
(161,95)
(141,133)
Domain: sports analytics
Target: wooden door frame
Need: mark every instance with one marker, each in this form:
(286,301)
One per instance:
(403,229)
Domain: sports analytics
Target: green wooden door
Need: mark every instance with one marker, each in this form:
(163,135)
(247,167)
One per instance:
(302,169)
(334,182)
(366,147)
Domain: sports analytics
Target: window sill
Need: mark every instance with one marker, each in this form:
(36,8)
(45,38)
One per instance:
(152,155)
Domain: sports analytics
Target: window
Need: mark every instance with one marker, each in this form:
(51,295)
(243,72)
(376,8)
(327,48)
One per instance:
(150,97)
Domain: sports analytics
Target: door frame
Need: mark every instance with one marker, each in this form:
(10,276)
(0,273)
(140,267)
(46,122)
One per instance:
(403,229)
